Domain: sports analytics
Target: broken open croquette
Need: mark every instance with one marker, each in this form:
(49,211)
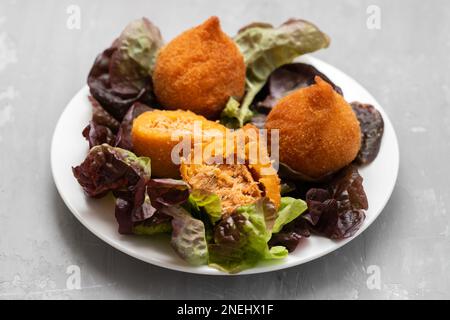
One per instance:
(199,71)
(319,132)
(237,183)
(154,135)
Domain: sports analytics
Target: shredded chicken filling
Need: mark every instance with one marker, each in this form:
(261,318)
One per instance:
(234,184)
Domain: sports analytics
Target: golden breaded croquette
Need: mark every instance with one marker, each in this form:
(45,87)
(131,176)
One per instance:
(152,134)
(199,71)
(319,132)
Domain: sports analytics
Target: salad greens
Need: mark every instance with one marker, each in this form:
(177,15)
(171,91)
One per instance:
(288,78)
(266,48)
(209,203)
(155,225)
(241,240)
(121,75)
(188,236)
(289,210)
(109,169)
(123,137)
(147,206)
(97,134)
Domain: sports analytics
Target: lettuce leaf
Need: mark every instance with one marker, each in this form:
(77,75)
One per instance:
(290,209)
(188,236)
(121,75)
(140,209)
(372,129)
(97,134)
(207,202)
(240,240)
(108,169)
(288,78)
(336,210)
(123,138)
(266,48)
(132,63)
(158,223)
(102,117)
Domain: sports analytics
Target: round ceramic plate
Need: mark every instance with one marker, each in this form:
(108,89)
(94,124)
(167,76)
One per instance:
(69,149)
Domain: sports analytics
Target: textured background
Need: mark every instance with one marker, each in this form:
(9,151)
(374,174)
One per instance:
(404,65)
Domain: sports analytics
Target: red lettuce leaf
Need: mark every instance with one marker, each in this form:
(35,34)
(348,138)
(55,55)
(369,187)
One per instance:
(227,231)
(167,192)
(287,239)
(102,117)
(291,234)
(372,129)
(336,210)
(121,75)
(188,235)
(147,199)
(347,188)
(133,209)
(113,102)
(123,138)
(108,169)
(97,134)
(288,78)
(342,214)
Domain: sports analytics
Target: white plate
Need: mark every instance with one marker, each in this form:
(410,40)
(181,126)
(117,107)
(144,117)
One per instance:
(69,149)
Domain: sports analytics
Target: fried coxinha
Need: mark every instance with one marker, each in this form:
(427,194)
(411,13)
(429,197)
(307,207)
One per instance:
(319,132)
(235,183)
(200,70)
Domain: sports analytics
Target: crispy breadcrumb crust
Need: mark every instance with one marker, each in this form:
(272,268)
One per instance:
(319,132)
(199,71)
(152,137)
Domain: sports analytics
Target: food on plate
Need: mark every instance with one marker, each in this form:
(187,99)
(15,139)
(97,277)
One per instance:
(123,138)
(236,184)
(199,71)
(319,132)
(287,79)
(97,134)
(102,117)
(121,75)
(109,169)
(262,169)
(154,134)
(372,128)
(161,142)
(266,48)
(336,210)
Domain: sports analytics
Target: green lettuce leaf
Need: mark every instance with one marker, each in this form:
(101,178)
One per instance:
(208,202)
(266,48)
(240,240)
(149,229)
(188,236)
(290,208)
(132,63)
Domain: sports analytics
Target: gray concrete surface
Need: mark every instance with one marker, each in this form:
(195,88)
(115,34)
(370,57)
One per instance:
(405,64)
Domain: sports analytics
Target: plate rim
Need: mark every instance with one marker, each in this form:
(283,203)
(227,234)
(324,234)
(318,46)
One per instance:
(211,271)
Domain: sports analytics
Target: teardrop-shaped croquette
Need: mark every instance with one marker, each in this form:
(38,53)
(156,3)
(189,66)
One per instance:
(199,71)
(319,132)
(154,134)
